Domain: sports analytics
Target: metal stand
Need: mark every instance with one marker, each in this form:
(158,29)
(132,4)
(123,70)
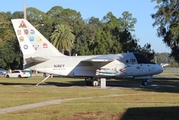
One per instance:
(103,82)
(43,80)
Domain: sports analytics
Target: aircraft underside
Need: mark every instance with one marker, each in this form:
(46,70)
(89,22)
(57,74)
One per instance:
(92,77)
(95,81)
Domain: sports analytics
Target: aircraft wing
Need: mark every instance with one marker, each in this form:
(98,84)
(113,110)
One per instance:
(103,58)
(96,62)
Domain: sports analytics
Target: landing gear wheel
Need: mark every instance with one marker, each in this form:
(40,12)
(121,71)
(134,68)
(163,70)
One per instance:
(88,82)
(145,83)
(95,83)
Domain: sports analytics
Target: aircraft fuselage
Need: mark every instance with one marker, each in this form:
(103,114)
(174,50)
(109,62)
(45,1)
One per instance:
(76,66)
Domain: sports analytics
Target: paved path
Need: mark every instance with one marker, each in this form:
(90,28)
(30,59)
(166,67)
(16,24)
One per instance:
(51,102)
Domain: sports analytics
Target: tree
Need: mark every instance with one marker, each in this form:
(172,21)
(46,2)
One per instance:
(114,36)
(34,15)
(87,36)
(147,51)
(4,25)
(36,18)
(10,55)
(106,42)
(62,38)
(103,43)
(54,12)
(167,18)
(70,18)
(3,20)
(17,14)
(53,19)
(127,22)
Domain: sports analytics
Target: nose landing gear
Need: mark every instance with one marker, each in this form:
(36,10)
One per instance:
(146,81)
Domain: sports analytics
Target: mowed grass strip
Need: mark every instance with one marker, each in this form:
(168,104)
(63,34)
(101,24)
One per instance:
(145,103)
(107,108)
(168,74)
(14,91)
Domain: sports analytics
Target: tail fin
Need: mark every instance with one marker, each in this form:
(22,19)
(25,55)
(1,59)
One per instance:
(31,41)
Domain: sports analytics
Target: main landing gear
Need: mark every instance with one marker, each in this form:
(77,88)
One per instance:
(92,81)
(146,81)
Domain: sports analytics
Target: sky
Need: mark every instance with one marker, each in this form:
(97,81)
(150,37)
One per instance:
(140,9)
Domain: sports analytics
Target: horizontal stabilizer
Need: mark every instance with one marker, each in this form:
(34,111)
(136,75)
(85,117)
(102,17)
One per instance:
(35,60)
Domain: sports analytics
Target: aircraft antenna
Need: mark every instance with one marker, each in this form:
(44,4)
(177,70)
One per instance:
(24,10)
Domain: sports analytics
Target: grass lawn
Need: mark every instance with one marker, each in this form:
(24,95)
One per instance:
(115,102)
(169,74)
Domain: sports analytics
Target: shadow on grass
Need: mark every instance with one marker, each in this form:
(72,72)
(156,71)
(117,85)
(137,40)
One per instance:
(12,81)
(17,83)
(151,113)
(171,86)
(158,85)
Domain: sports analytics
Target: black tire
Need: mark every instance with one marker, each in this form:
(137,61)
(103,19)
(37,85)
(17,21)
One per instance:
(144,83)
(7,76)
(19,76)
(89,82)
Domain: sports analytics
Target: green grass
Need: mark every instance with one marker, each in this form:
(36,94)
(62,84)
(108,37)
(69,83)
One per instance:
(129,103)
(14,91)
(169,74)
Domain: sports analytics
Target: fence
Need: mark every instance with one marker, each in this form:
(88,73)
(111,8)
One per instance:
(171,70)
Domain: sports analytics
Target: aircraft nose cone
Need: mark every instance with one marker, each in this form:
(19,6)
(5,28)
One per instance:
(159,69)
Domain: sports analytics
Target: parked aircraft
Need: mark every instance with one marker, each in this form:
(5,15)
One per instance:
(40,55)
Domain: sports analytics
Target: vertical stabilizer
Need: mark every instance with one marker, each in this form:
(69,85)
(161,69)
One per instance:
(31,41)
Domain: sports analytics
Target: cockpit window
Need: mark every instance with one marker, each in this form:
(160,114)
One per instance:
(141,59)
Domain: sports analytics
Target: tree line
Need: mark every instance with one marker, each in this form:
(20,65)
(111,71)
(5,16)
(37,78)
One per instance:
(71,34)
(167,20)
(163,58)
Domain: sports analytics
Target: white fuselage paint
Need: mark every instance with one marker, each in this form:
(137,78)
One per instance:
(74,66)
